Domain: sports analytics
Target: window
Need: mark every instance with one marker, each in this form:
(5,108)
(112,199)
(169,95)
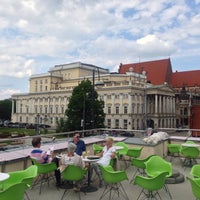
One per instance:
(36,109)
(109,123)
(20,119)
(56,109)
(20,108)
(51,109)
(51,120)
(62,110)
(125,96)
(27,109)
(46,110)
(125,110)
(125,123)
(109,110)
(109,96)
(117,109)
(117,123)
(46,81)
(117,96)
(46,88)
(40,88)
(26,119)
(40,81)
(40,109)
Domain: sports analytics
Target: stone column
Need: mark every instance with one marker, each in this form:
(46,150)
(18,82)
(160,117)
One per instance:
(160,104)
(156,103)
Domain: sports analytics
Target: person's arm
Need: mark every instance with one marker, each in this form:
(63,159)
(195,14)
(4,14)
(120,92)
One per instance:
(113,154)
(84,146)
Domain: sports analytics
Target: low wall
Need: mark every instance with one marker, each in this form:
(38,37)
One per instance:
(19,159)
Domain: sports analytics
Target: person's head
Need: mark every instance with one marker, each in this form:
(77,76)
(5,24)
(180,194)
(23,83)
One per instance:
(109,141)
(36,142)
(71,148)
(76,137)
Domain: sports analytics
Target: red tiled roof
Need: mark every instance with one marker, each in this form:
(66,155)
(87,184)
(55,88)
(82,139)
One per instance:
(187,78)
(157,71)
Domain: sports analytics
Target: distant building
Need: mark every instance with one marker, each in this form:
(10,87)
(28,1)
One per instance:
(130,102)
(186,85)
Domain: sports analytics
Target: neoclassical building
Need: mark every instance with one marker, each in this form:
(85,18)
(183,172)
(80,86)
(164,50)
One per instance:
(130,102)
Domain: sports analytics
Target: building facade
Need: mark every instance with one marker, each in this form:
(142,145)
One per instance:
(130,102)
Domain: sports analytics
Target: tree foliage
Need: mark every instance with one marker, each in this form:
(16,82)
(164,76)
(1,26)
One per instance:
(84,103)
(5,109)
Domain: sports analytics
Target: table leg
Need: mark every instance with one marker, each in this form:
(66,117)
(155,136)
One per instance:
(89,187)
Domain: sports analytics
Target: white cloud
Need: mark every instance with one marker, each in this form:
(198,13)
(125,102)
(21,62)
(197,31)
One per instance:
(16,66)
(7,93)
(34,33)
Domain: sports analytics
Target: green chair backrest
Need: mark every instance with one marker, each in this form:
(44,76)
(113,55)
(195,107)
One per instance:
(15,192)
(191,152)
(110,176)
(195,171)
(174,148)
(156,165)
(151,183)
(134,152)
(189,142)
(124,150)
(73,173)
(44,168)
(26,176)
(140,163)
(195,184)
(97,148)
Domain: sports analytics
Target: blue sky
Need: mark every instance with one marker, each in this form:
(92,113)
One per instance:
(35,35)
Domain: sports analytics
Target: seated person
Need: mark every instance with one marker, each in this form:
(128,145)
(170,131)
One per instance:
(71,158)
(80,144)
(107,154)
(42,157)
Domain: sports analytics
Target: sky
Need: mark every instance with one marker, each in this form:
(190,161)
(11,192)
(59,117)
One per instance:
(35,35)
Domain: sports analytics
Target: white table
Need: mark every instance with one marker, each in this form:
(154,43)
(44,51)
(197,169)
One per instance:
(118,147)
(4,176)
(190,145)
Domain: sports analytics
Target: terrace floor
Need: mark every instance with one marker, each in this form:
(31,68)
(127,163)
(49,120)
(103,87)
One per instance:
(181,191)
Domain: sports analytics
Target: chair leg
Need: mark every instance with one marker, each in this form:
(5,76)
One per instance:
(63,194)
(27,195)
(167,191)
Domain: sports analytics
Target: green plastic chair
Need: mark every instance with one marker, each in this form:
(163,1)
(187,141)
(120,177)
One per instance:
(190,154)
(73,173)
(195,171)
(26,176)
(134,152)
(174,150)
(121,153)
(44,172)
(157,165)
(97,148)
(150,185)
(195,184)
(113,179)
(15,192)
(140,165)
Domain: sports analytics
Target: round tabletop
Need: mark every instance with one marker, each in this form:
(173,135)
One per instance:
(190,145)
(86,159)
(118,147)
(4,176)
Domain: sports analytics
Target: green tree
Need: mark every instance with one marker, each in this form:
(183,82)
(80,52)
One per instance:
(84,103)
(5,109)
